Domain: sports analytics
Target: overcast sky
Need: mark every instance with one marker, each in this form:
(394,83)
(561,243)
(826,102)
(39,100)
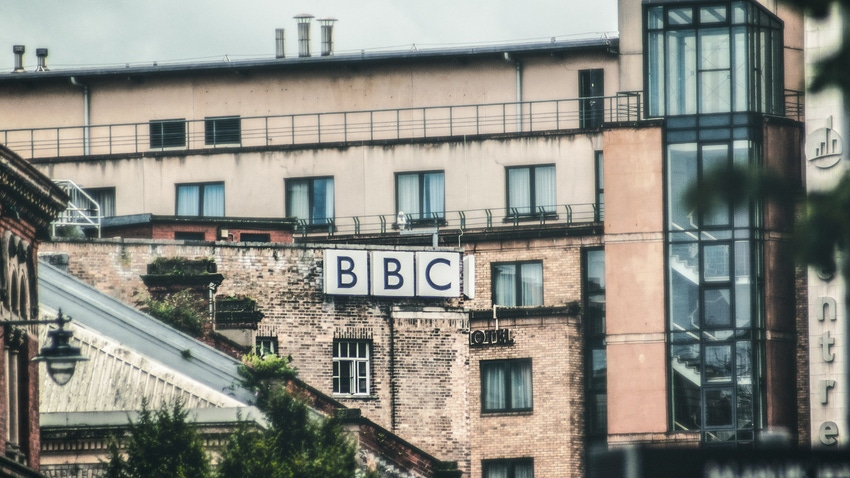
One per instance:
(115,32)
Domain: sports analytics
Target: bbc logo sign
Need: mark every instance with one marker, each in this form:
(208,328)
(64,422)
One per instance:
(393,273)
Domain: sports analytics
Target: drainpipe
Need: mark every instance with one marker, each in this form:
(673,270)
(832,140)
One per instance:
(518,89)
(86,114)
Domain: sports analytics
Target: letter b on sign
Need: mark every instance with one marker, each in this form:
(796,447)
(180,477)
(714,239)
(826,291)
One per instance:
(346,272)
(392,274)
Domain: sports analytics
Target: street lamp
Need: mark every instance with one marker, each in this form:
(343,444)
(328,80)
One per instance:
(60,356)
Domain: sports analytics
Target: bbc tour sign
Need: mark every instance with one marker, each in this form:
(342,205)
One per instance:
(395,273)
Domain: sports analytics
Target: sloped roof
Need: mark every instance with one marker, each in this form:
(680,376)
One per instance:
(131,355)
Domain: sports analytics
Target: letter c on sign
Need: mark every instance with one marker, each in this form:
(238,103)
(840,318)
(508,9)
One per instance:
(428,274)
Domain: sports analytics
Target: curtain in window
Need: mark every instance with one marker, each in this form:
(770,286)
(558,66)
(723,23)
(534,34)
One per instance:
(496,470)
(435,194)
(524,470)
(298,199)
(519,190)
(544,187)
(188,200)
(520,385)
(407,194)
(214,200)
(106,201)
(323,200)
(532,284)
(494,387)
(504,278)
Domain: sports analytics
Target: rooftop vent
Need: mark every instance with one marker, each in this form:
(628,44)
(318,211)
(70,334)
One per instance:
(18,50)
(303,33)
(279,43)
(41,54)
(327,24)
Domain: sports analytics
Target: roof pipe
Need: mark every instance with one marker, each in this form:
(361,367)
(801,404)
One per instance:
(518,66)
(86,114)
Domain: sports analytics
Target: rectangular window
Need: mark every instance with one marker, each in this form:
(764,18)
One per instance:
(531,190)
(595,355)
(202,199)
(189,236)
(266,346)
(105,199)
(600,186)
(591,91)
(168,133)
(222,130)
(421,196)
(517,284)
(310,200)
(351,364)
(255,237)
(506,385)
(515,468)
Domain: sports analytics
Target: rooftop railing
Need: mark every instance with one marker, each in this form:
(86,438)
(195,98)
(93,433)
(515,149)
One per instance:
(464,221)
(330,127)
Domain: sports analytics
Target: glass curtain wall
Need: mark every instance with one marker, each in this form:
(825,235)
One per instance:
(712,69)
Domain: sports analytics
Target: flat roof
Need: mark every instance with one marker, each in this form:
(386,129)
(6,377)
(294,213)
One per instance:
(603,43)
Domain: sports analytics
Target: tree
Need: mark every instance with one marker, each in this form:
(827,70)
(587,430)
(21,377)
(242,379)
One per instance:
(298,443)
(161,443)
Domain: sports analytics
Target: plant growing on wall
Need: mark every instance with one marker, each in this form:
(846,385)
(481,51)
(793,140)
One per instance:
(182,310)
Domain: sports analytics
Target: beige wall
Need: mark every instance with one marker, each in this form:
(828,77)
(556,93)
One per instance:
(364,176)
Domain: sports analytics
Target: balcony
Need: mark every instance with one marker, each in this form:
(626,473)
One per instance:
(327,128)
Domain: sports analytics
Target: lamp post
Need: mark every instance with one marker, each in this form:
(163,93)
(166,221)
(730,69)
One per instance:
(60,356)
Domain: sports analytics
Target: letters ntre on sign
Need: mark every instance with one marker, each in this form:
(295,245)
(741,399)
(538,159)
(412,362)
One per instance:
(392,273)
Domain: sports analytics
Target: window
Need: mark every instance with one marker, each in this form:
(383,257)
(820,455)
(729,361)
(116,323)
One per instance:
(223,130)
(595,355)
(516,468)
(531,190)
(203,199)
(591,90)
(518,284)
(189,236)
(255,237)
(105,199)
(266,346)
(600,185)
(351,367)
(310,200)
(168,133)
(421,195)
(506,385)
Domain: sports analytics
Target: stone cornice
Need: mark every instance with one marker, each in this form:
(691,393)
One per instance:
(26,194)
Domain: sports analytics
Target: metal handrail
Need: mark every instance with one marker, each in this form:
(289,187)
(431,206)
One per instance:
(336,127)
(467,220)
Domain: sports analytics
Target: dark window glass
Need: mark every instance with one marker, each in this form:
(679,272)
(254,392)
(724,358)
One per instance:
(421,196)
(105,199)
(202,199)
(266,346)
(225,130)
(254,237)
(168,134)
(531,190)
(310,200)
(189,236)
(351,363)
(506,385)
(514,468)
(517,284)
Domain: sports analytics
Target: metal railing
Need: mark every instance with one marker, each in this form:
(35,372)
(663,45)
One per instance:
(467,220)
(333,127)
(82,210)
(795,105)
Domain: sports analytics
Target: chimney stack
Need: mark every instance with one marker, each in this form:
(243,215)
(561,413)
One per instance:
(303,33)
(327,35)
(41,54)
(279,43)
(18,50)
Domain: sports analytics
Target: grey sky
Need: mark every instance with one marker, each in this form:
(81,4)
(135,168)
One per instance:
(115,32)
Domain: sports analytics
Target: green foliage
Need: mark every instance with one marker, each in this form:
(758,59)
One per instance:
(181,266)
(161,443)
(297,443)
(181,310)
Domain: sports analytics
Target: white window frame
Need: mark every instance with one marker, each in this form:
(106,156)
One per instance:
(360,366)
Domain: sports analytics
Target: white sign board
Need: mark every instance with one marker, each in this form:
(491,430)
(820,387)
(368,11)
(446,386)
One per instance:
(392,273)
